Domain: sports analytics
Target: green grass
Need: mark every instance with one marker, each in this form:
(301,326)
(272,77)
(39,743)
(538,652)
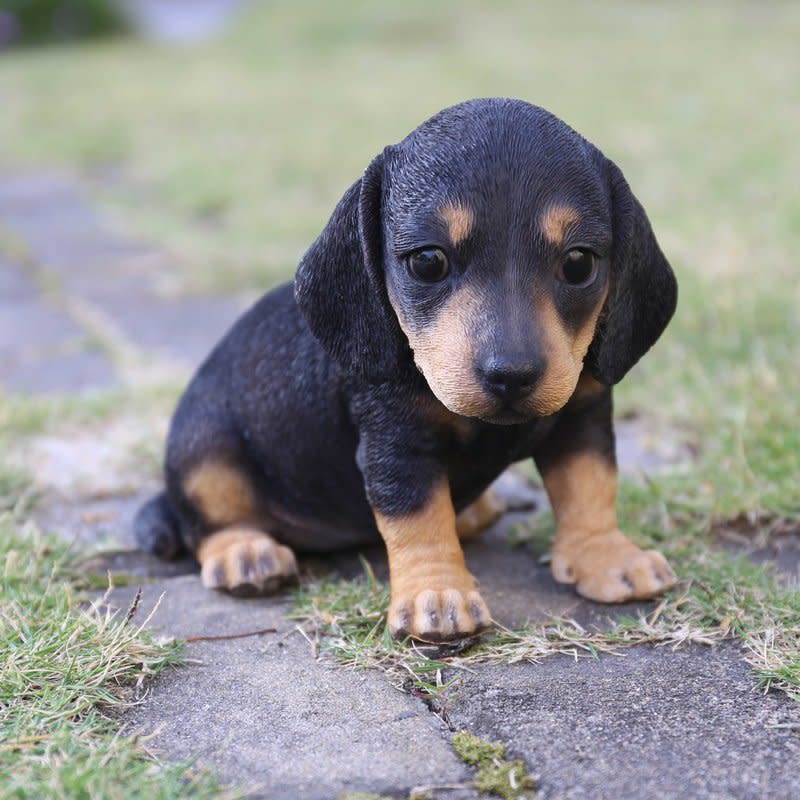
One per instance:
(67,670)
(16,492)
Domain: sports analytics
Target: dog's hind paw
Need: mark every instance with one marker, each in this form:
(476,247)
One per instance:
(245,562)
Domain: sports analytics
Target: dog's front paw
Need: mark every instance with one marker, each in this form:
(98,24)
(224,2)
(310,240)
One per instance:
(435,615)
(610,568)
(245,562)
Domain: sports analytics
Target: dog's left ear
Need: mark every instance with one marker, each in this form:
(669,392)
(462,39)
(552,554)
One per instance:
(340,286)
(642,293)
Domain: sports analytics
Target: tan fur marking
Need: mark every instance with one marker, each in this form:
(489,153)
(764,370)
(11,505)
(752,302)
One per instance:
(443,352)
(480,515)
(433,594)
(222,493)
(565,355)
(460,221)
(583,493)
(589,549)
(423,546)
(555,221)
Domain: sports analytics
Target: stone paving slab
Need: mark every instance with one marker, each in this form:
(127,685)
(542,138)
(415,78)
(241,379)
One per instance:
(126,286)
(60,229)
(653,724)
(181,328)
(265,713)
(41,348)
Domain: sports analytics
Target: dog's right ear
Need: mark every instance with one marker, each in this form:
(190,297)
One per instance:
(340,286)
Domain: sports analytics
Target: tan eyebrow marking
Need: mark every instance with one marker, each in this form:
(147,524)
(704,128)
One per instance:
(555,221)
(459,219)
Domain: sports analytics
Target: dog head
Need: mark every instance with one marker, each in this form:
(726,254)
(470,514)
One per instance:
(498,249)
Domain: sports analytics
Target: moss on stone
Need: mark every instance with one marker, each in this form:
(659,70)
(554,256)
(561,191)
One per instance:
(495,774)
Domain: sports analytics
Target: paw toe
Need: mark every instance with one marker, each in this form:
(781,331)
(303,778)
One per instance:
(610,586)
(399,619)
(562,569)
(478,610)
(213,574)
(649,575)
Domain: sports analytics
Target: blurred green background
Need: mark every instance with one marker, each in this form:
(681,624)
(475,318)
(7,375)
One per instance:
(231,153)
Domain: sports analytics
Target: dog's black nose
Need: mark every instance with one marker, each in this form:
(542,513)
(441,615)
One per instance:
(510,379)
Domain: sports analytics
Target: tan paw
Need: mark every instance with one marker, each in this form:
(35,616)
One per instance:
(480,515)
(245,562)
(434,615)
(610,568)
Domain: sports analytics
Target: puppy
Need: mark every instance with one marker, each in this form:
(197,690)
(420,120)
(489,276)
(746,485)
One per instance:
(470,303)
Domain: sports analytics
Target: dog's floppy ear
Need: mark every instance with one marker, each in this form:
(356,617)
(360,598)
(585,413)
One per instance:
(642,292)
(340,286)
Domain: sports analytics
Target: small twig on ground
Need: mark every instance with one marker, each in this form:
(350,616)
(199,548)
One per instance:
(224,636)
(438,787)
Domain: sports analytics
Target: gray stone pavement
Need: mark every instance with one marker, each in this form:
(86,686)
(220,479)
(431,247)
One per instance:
(264,713)
(654,723)
(73,291)
(76,299)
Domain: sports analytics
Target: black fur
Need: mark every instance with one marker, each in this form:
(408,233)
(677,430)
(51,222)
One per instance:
(313,394)
(643,292)
(340,287)
(156,528)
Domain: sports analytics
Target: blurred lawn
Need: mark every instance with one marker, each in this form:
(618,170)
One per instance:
(234,153)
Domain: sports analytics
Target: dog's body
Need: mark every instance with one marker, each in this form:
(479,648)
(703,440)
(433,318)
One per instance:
(470,303)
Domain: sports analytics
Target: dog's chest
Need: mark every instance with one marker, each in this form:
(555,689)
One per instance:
(477,455)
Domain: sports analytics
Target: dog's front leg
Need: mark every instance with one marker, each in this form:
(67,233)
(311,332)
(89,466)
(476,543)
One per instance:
(578,465)
(434,596)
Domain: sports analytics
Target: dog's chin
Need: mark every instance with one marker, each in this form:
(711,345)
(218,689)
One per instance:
(493,413)
(519,414)
(506,417)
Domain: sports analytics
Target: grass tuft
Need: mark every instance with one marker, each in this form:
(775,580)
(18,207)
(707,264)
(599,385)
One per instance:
(68,667)
(16,492)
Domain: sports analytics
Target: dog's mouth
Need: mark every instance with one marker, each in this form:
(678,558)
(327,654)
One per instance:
(506,416)
(517,413)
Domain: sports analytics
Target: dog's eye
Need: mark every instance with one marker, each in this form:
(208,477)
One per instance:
(429,265)
(579,268)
